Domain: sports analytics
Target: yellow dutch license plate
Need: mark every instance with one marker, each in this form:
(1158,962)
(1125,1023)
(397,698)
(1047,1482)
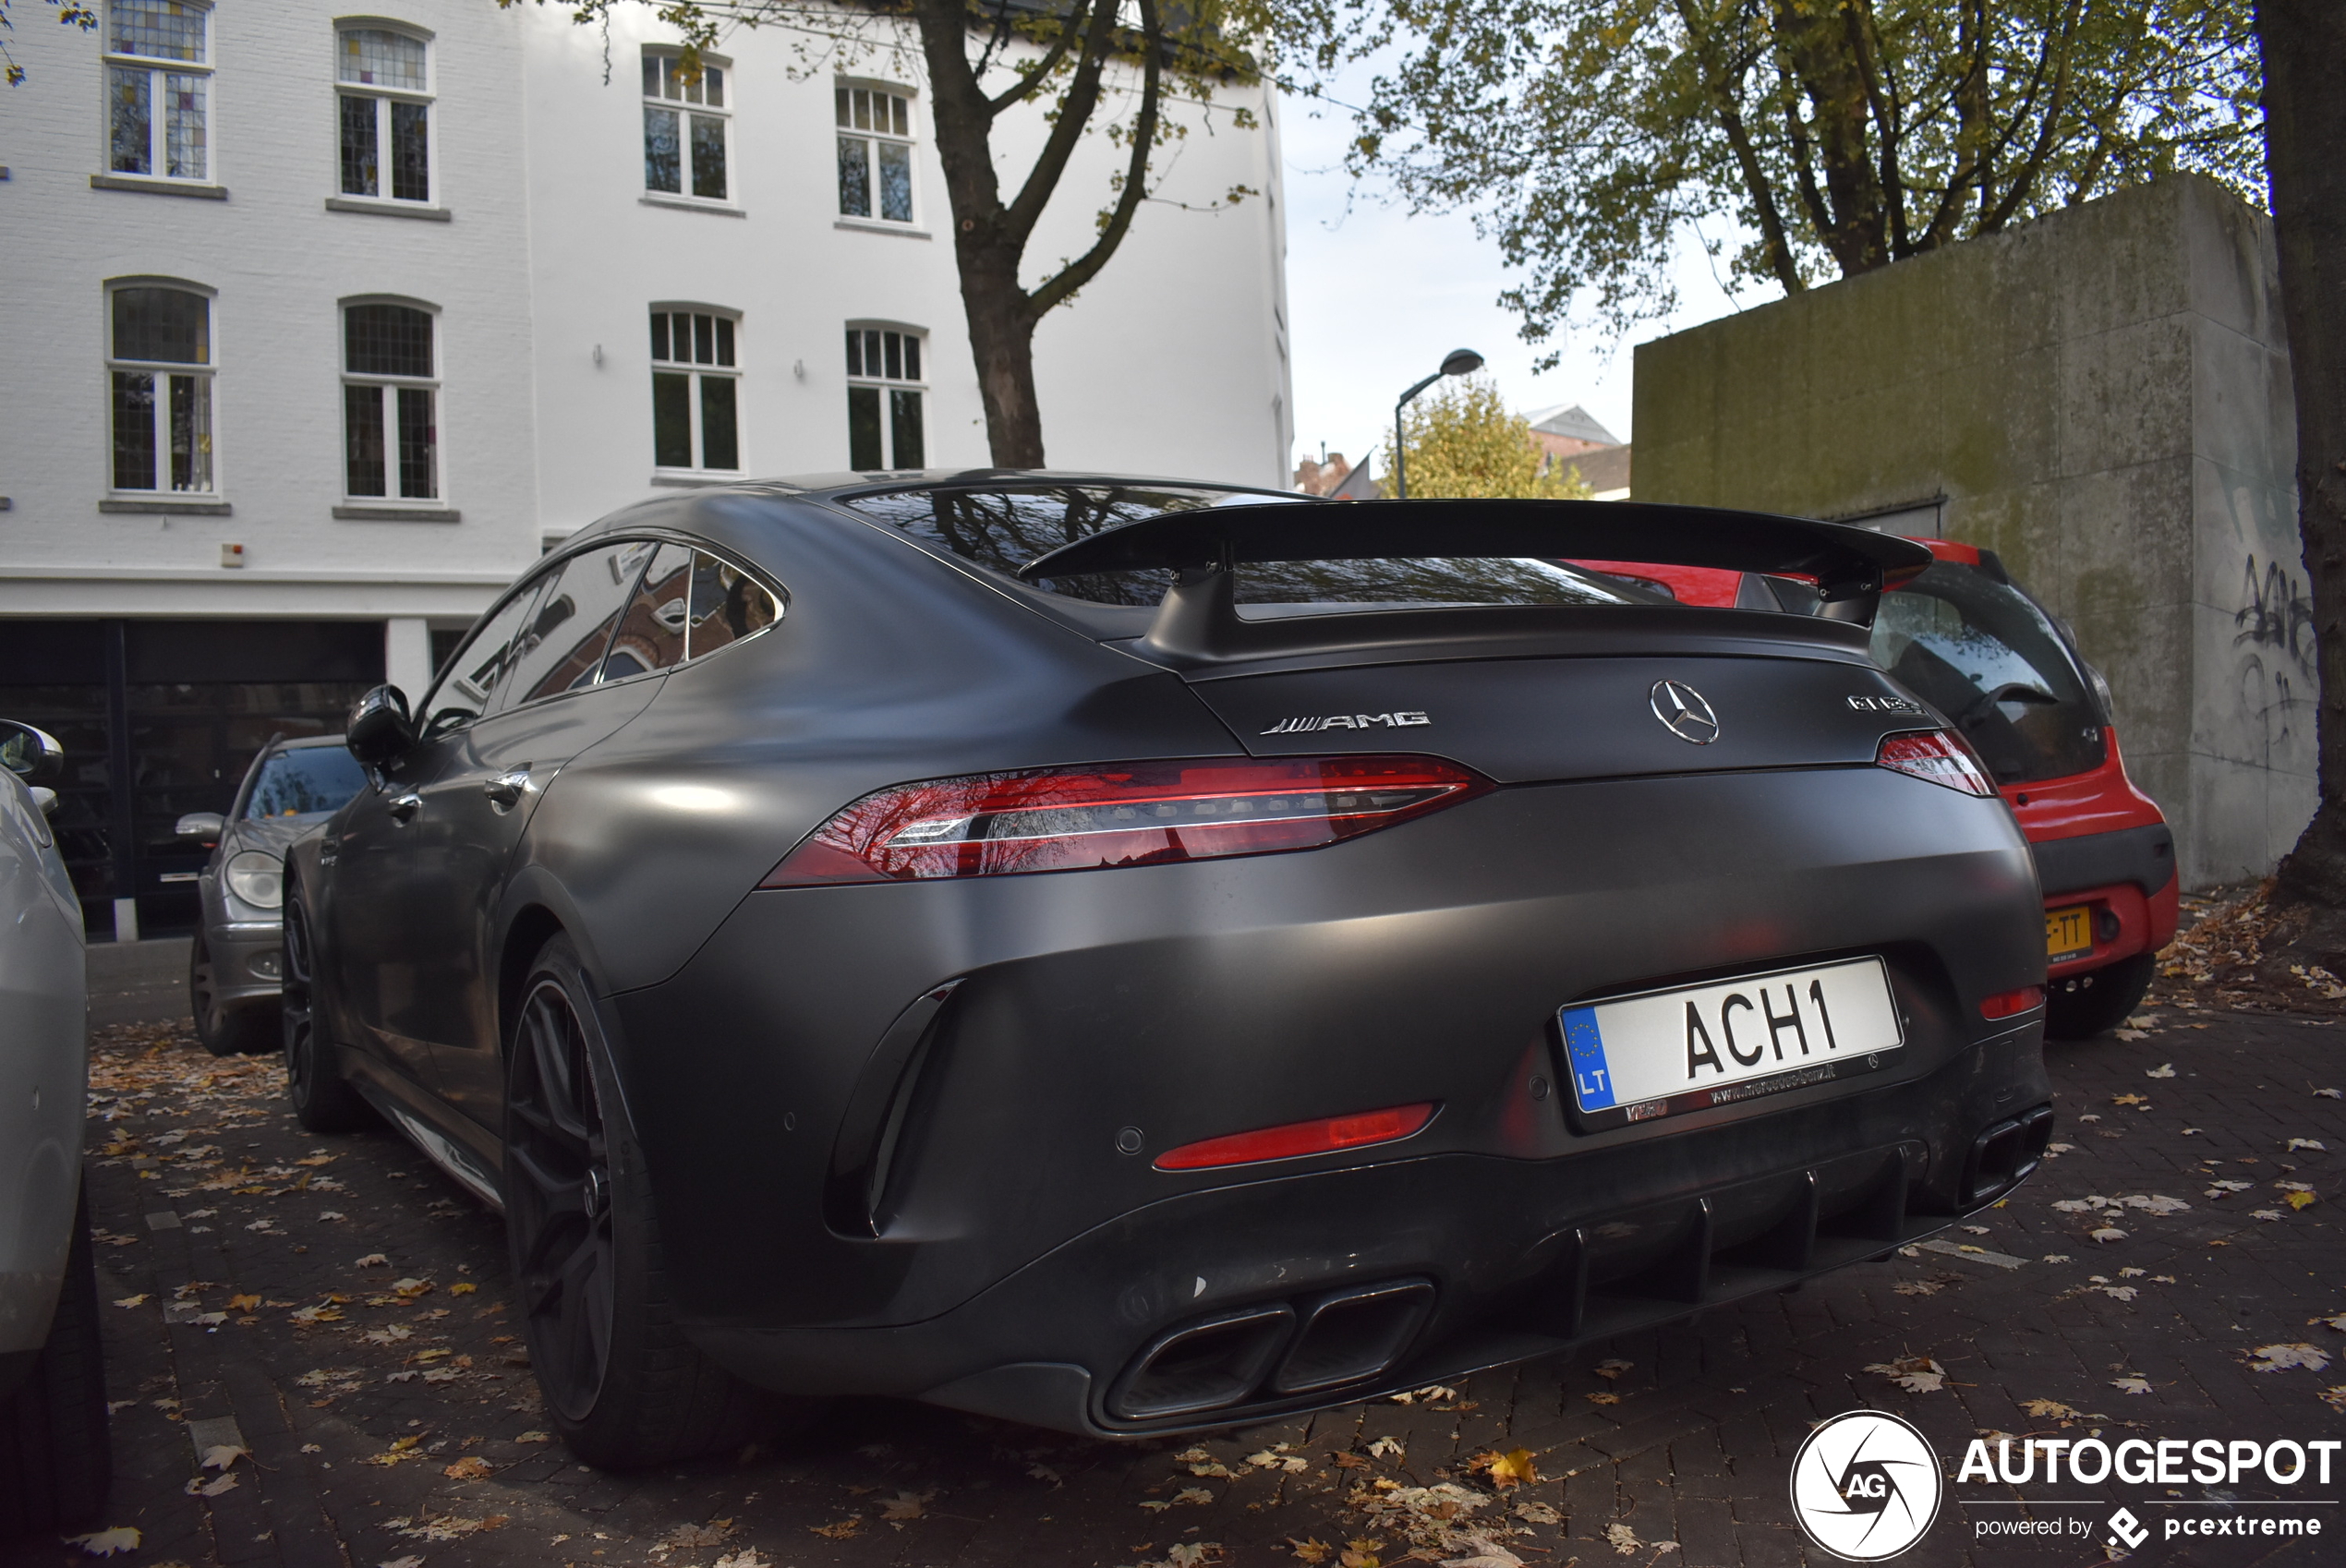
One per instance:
(2069,933)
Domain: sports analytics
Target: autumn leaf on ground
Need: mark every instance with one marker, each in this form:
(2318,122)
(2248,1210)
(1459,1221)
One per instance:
(1192,1554)
(2130,1100)
(1610,1370)
(139,1300)
(1361,1554)
(1482,1553)
(844,1530)
(1903,1287)
(2107,1233)
(904,1505)
(463,1287)
(1311,1551)
(1915,1374)
(2164,1069)
(2315,1144)
(105,1543)
(534,1437)
(2282,1358)
(1045,1473)
(1197,1495)
(1602,1398)
(692,1537)
(1509,1469)
(374,1260)
(243,1303)
(1624,1539)
(2300,1199)
(2131,1385)
(1387,1448)
(221,1456)
(1350,1462)
(1537,1513)
(746,1557)
(2329,1094)
(2335,1397)
(199,1486)
(2267,1215)
(472,1468)
(2047,1409)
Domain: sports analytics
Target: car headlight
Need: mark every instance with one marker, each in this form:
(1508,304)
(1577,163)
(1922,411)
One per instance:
(256,878)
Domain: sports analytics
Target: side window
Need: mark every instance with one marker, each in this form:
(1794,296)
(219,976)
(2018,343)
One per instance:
(158,89)
(385,114)
(464,689)
(874,154)
(651,632)
(727,606)
(685,125)
(584,597)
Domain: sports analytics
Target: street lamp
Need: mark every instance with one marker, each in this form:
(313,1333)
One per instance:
(1458,362)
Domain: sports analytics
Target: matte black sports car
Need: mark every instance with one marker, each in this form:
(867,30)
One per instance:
(1132,955)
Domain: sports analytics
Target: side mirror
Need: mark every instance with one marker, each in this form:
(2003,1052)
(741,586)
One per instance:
(380,733)
(32,754)
(205,824)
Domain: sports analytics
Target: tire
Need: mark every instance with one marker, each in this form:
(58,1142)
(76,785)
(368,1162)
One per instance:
(322,1099)
(621,1384)
(2082,1006)
(225,1030)
(56,1461)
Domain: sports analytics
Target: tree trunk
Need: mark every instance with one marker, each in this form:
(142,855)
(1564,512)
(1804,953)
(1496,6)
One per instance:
(2303,42)
(1001,323)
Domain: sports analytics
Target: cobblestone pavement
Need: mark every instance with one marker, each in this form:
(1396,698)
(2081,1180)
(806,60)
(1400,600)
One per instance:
(339,1309)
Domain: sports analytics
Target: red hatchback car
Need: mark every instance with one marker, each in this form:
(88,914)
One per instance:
(1967,640)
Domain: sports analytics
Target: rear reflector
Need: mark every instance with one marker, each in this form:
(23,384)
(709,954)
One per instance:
(1119,814)
(2010,1004)
(1297,1139)
(1936,756)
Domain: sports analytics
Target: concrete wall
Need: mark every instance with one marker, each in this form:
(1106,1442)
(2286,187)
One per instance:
(2103,398)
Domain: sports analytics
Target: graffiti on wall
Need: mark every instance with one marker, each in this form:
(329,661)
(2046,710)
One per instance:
(2273,639)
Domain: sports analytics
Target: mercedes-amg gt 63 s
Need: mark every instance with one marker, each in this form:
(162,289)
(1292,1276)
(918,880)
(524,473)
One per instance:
(1132,955)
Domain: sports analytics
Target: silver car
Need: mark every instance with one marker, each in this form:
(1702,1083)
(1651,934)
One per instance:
(232,974)
(54,1459)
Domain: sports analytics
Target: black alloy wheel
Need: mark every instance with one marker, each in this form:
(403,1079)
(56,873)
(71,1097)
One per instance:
(224,1030)
(623,1385)
(558,1200)
(323,1100)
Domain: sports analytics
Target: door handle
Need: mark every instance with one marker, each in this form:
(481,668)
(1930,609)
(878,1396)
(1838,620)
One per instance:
(404,807)
(504,791)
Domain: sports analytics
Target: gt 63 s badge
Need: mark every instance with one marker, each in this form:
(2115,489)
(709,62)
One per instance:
(1865,1486)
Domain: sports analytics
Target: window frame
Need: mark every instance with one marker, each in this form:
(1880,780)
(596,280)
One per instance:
(919,387)
(346,377)
(384,98)
(203,372)
(910,141)
(686,109)
(695,372)
(157,68)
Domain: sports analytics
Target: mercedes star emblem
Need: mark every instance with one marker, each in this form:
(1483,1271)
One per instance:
(1684,713)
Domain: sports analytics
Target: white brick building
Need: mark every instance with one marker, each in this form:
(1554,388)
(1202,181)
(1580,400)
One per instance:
(321,326)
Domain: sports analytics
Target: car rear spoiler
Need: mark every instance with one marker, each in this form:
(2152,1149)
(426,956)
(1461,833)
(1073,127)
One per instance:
(1850,566)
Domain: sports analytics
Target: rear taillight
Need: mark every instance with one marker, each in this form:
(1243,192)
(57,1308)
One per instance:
(1297,1139)
(1937,755)
(1123,814)
(2011,1004)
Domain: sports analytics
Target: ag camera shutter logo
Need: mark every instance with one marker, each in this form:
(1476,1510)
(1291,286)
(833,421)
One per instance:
(1865,1486)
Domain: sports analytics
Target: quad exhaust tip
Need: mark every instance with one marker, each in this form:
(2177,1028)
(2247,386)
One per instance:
(1322,1342)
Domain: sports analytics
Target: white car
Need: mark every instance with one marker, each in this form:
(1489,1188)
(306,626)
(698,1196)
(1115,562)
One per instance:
(54,1458)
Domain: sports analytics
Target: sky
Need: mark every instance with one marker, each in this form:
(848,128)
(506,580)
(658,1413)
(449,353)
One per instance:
(1376,297)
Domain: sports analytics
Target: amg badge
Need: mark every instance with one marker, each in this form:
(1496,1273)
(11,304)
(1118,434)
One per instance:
(1346,721)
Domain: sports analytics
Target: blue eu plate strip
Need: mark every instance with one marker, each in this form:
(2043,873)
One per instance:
(1584,1053)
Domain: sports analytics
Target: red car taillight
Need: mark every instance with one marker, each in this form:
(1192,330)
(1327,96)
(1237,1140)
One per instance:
(2011,1004)
(1937,755)
(1116,814)
(1298,1139)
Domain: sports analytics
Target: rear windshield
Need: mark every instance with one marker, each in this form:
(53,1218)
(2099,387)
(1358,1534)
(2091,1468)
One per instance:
(313,779)
(1982,652)
(1005,528)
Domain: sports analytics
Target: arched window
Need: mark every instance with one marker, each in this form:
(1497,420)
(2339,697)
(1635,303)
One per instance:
(159,359)
(389,401)
(383,89)
(885,388)
(695,389)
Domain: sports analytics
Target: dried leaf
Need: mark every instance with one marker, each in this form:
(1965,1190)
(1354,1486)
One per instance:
(2300,1199)
(2164,1069)
(1533,1512)
(1387,1448)
(1482,1553)
(2283,1357)
(463,1287)
(1509,1469)
(243,1303)
(904,1505)
(2108,1234)
(746,1557)
(1915,1287)
(2315,1144)
(374,1260)
(2135,1100)
(472,1468)
(1602,1398)
(1197,1495)
(105,1543)
(2267,1215)
(221,1456)
(139,1300)
(843,1529)
(1610,1370)
(1313,1551)
(2131,1385)
(1915,1374)
(692,1537)
(2047,1409)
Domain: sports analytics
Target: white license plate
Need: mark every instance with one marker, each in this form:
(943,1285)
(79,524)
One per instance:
(1631,1058)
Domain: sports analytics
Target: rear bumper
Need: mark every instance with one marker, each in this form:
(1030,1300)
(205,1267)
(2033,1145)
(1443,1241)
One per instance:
(900,1135)
(2126,879)
(1523,1258)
